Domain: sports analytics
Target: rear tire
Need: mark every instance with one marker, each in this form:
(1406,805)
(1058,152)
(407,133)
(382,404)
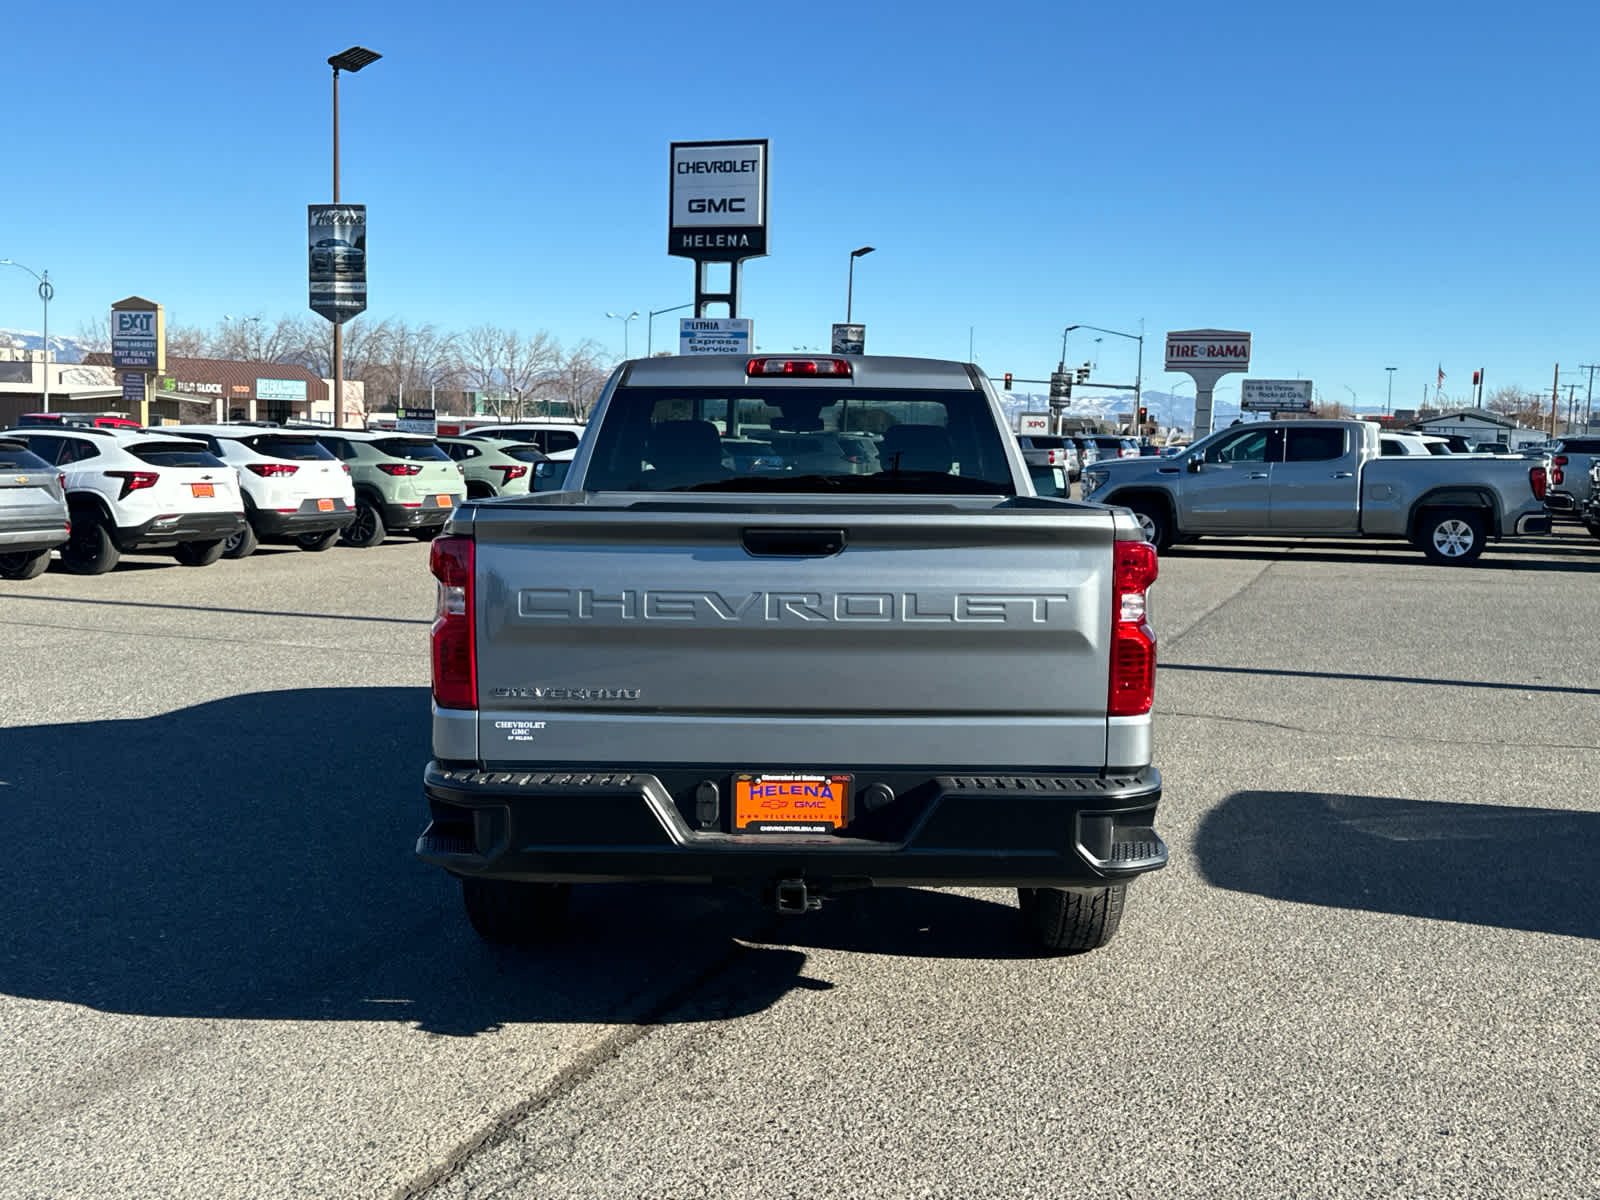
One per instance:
(90,550)
(511,913)
(1072,920)
(1155,522)
(427,534)
(316,542)
(242,544)
(198,554)
(1593,527)
(1451,537)
(24,564)
(367,529)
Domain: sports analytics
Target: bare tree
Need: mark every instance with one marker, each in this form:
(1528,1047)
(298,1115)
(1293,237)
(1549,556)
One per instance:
(578,376)
(482,361)
(529,364)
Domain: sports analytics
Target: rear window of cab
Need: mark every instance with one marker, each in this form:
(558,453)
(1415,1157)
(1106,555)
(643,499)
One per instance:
(410,450)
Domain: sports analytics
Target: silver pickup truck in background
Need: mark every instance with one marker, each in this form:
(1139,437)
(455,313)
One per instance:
(700,665)
(1325,479)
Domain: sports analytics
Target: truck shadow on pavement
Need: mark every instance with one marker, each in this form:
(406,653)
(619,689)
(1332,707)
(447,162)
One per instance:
(251,857)
(1483,864)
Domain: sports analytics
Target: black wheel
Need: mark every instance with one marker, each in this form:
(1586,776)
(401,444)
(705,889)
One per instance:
(198,554)
(1155,522)
(317,541)
(367,529)
(511,913)
(242,544)
(24,564)
(1593,527)
(1451,537)
(427,533)
(90,550)
(1072,920)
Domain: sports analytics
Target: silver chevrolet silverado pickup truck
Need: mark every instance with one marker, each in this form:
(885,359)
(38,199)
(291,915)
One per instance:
(1325,479)
(703,660)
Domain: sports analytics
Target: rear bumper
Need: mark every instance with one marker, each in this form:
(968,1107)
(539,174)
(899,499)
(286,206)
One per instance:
(271,523)
(1528,523)
(179,527)
(1561,502)
(429,513)
(606,825)
(45,534)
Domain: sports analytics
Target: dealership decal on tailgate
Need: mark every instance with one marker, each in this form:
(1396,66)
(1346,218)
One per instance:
(790,803)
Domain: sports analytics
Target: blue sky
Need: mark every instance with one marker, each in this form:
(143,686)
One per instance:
(1359,186)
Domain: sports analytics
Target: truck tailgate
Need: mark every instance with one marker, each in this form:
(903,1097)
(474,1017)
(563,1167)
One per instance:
(912,633)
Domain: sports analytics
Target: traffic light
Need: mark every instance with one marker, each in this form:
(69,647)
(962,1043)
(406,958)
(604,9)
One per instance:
(1008,381)
(1476,378)
(1144,415)
(1083,373)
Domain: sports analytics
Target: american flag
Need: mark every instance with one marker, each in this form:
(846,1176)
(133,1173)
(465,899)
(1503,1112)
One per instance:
(1441,375)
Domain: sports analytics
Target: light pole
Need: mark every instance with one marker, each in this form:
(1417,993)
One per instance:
(352,59)
(650,327)
(850,290)
(1138,378)
(633,316)
(1391,371)
(46,291)
(255,335)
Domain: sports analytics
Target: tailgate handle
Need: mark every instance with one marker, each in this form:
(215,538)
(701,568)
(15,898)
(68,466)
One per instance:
(793,543)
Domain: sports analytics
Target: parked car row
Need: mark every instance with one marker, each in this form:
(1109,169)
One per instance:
(1074,452)
(204,492)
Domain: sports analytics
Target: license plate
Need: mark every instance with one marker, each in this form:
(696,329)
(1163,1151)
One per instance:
(444,501)
(324,505)
(790,803)
(203,489)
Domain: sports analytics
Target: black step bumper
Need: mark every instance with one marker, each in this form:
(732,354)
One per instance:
(610,825)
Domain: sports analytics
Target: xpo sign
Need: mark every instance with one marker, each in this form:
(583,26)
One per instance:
(717,206)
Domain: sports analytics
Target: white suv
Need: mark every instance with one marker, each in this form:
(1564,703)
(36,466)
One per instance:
(294,488)
(131,490)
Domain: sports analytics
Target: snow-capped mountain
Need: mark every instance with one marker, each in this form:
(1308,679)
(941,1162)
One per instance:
(62,349)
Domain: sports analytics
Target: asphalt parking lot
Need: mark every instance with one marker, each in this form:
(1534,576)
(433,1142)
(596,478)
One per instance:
(1370,970)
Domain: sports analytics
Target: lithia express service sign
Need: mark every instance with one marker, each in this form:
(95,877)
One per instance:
(717,200)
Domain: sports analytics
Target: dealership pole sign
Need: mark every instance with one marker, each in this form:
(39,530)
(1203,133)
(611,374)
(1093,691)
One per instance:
(1206,355)
(717,211)
(337,235)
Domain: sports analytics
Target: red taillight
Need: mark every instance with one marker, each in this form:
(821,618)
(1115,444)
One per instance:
(1556,473)
(1537,482)
(62,480)
(133,481)
(346,467)
(1133,642)
(510,472)
(455,658)
(400,468)
(836,367)
(273,470)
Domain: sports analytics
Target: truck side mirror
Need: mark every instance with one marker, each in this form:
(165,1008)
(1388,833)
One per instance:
(549,476)
(1192,464)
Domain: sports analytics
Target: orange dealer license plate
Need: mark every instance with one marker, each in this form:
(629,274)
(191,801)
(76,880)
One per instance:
(324,505)
(203,489)
(790,803)
(443,500)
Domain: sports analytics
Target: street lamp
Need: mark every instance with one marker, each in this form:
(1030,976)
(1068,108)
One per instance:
(352,59)
(1138,378)
(1391,371)
(46,291)
(633,316)
(850,293)
(650,327)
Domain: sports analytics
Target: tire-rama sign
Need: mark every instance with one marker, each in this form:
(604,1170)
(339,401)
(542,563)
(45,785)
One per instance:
(718,200)
(1225,348)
